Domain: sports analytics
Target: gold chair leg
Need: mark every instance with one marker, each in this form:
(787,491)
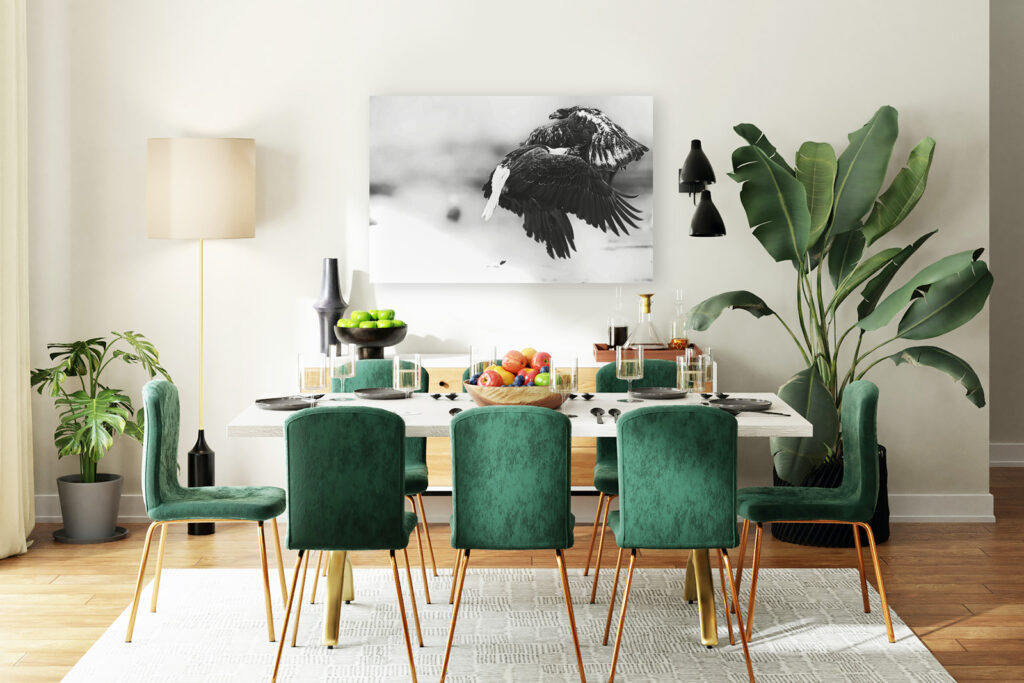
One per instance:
(741,555)
(401,611)
(426,532)
(280,561)
(726,603)
(860,568)
(739,617)
(611,601)
(461,580)
(287,613)
(572,617)
(878,578)
(159,566)
(316,577)
(423,560)
(325,569)
(622,613)
(138,582)
(690,580)
(593,531)
(266,578)
(412,597)
(302,590)
(455,575)
(753,581)
(600,547)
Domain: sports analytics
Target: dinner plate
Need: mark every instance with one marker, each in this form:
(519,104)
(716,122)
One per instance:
(741,405)
(287,402)
(380,394)
(657,393)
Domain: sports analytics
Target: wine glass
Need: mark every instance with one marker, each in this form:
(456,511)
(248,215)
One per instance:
(629,365)
(564,376)
(343,363)
(480,357)
(313,375)
(406,373)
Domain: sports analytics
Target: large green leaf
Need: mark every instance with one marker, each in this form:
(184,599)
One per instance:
(862,272)
(906,189)
(755,137)
(947,304)
(861,169)
(887,309)
(706,312)
(816,170)
(844,255)
(94,421)
(944,361)
(775,202)
(873,291)
(796,457)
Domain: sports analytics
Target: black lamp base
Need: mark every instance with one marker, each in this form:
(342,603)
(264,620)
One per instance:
(200,473)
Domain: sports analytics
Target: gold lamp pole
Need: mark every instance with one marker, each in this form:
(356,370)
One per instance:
(201,189)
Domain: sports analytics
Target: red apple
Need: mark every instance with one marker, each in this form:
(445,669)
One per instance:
(540,359)
(490,378)
(513,361)
(530,374)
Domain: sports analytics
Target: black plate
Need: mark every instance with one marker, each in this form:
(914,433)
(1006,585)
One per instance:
(286,402)
(380,394)
(741,405)
(658,393)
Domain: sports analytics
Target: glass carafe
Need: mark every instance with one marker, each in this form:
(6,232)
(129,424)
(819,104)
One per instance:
(680,329)
(645,335)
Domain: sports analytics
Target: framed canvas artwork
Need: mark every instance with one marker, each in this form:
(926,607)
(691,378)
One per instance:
(511,189)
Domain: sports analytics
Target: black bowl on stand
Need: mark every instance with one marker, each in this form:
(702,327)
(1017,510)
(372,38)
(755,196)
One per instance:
(371,340)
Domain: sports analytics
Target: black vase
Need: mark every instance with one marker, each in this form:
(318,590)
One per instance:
(330,306)
(830,476)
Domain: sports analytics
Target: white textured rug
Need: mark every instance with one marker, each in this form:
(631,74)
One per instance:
(512,627)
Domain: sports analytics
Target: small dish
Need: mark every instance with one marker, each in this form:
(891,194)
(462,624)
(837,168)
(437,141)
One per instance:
(435,396)
(451,397)
(587,397)
(706,396)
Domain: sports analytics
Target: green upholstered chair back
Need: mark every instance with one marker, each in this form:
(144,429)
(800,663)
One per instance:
(510,478)
(346,479)
(677,478)
(657,373)
(160,443)
(860,448)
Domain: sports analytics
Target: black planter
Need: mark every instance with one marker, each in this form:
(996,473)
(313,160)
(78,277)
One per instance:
(830,476)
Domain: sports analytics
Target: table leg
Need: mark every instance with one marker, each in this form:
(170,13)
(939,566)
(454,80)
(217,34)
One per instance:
(705,597)
(337,577)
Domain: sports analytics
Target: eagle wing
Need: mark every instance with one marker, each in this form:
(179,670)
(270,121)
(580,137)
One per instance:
(572,131)
(611,147)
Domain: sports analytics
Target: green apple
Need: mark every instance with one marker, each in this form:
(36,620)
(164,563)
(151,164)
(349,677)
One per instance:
(397,323)
(385,314)
(359,317)
(542,379)
(368,324)
(385,323)
(373,313)
(344,322)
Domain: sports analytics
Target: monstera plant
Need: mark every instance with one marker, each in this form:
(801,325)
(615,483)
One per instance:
(825,214)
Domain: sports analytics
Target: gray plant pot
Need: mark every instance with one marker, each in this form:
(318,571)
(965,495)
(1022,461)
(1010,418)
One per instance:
(89,510)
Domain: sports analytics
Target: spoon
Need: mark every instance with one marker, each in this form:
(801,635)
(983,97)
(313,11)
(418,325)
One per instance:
(454,411)
(598,412)
(615,412)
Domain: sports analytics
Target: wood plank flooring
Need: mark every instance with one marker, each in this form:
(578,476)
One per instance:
(959,586)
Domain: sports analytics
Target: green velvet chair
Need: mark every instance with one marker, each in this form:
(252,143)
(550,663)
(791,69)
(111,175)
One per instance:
(510,491)
(346,489)
(677,489)
(375,373)
(167,502)
(657,373)
(852,503)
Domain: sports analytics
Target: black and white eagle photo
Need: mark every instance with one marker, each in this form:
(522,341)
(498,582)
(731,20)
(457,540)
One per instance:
(511,189)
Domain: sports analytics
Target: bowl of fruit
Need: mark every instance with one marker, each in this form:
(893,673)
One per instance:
(521,379)
(371,331)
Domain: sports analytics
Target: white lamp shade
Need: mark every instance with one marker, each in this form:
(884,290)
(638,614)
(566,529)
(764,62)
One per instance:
(200,188)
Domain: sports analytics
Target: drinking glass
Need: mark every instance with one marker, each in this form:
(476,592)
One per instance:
(313,375)
(710,377)
(480,357)
(629,365)
(406,373)
(343,363)
(689,372)
(564,376)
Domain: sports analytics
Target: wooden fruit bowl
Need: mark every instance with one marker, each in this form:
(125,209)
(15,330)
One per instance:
(514,396)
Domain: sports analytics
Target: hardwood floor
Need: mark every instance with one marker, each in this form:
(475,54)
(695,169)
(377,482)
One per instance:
(959,586)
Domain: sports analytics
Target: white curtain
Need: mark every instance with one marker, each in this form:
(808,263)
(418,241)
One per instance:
(17,506)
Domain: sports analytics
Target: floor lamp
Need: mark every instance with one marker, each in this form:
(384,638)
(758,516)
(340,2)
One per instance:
(200,189)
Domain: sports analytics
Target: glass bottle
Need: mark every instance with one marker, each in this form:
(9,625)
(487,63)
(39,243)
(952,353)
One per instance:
(617,330)
(680,329)
(708,366)
(645,334)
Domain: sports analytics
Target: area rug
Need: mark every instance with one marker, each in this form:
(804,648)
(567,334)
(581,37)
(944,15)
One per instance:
(512,626)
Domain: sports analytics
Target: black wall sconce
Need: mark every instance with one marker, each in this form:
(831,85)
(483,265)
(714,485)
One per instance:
(694,177)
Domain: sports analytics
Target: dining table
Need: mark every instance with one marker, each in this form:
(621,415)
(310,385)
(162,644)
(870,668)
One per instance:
(426,416)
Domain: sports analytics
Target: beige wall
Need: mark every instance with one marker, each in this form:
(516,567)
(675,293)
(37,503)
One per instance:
(1007,170)
(296,76)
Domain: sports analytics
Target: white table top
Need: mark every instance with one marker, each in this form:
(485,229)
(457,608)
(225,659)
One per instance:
(425,416)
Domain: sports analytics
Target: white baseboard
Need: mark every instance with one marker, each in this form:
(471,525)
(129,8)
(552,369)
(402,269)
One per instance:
(1006,454)
(904,507)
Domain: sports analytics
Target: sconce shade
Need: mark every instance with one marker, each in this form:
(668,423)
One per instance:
(200,188)
(696,173)
(707,222)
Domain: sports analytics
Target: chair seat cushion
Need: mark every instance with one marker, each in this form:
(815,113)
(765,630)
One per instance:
(606,479)
(797,503)
(504,544)
(250,503)
(615,523)
(415,478)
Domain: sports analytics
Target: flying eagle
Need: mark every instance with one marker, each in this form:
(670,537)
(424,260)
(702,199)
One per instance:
(543,184)
(603,143)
